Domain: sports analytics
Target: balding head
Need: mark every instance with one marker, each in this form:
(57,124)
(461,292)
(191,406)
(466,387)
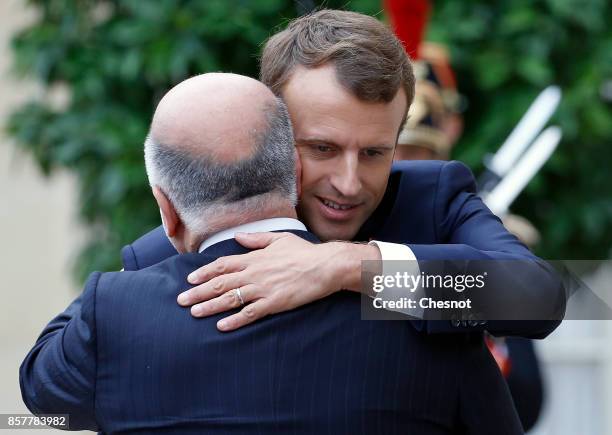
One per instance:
(218,114)
(219,153)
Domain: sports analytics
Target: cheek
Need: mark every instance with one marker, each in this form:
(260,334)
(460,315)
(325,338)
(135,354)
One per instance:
(313,174)
(375,182)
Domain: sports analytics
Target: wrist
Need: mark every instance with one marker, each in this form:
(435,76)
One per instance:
(347,260)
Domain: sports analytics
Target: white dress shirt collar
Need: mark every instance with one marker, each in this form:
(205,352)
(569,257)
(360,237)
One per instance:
(265,225)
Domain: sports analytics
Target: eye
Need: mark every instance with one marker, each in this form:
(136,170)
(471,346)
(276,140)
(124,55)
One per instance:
(323,148)
(372,152)
(319,150)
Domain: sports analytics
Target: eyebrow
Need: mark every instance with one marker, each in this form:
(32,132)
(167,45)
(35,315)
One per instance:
(314,141)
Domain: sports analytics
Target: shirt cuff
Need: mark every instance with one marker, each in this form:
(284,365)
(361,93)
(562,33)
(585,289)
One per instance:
(390,254)
(394,251)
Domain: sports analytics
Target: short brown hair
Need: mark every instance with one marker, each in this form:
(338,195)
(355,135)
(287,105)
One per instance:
(369,59)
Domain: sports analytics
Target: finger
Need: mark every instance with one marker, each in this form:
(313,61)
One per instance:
(258,240)
(225,302)
(211,289)
(221,266)
(248,314)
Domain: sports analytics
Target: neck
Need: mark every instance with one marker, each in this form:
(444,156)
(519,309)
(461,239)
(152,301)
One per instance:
(226,221)
(263,225)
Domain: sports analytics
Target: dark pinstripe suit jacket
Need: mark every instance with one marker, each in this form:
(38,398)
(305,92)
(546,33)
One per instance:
(126,358)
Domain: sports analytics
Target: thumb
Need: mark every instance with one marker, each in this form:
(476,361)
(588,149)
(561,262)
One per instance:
(258,240)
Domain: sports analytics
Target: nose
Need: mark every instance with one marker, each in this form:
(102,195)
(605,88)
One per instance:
(346,178)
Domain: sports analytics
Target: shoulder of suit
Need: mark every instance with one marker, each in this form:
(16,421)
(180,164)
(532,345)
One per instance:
(453,174)
(417,167)
(422,167)
(170,268)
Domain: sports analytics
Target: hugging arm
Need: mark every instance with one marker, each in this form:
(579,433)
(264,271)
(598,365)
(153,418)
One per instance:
(58,374)
(286,272)
(475,237)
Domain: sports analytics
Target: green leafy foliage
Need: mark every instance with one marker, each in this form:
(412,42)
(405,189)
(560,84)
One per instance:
(504,54)
(117,58)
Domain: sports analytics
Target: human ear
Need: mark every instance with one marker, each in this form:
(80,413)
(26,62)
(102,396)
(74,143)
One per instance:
(170,218)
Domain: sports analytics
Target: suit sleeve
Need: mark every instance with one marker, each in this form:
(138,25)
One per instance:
(58,375)
(469,231)
(128,258)
(150,249)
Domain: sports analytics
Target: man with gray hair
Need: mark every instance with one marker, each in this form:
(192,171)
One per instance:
(124,357)
(210,173)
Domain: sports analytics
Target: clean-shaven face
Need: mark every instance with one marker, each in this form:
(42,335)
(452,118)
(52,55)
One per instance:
(346,149)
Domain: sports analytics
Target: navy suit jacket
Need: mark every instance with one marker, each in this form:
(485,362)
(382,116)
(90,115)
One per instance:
(432,207)
(126,358)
